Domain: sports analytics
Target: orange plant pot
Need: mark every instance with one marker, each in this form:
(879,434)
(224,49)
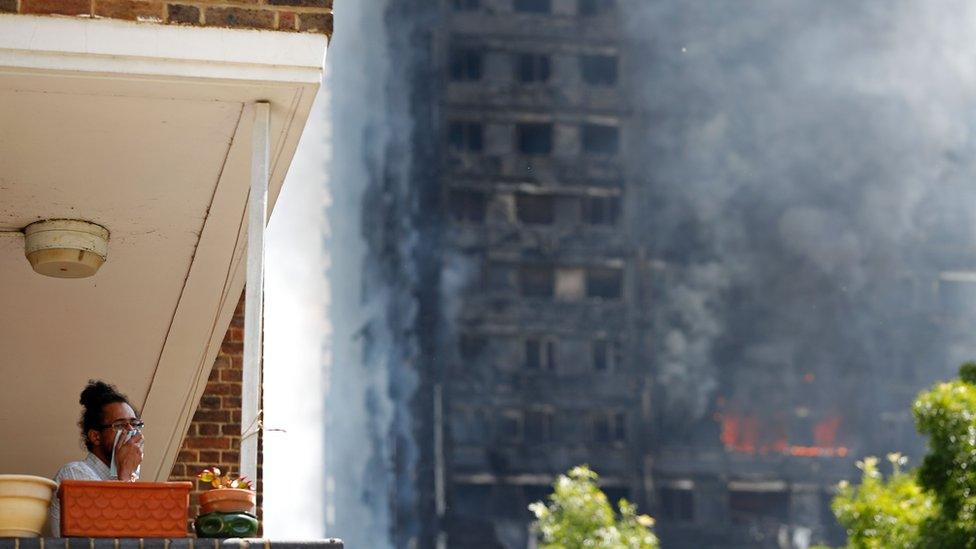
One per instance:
(227,500)
(113,509)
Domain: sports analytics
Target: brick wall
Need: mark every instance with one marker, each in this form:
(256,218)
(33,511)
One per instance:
(283,15)
(214,436)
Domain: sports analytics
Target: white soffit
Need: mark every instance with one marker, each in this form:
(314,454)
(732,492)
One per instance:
(145,129)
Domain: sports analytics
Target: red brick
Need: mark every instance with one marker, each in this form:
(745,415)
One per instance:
(214,416)
(187,455)
(315,22)
(302,3)
(56,7)
(231,375)
(235,416)
(230,402)
(287,21)
(8,6)
(233,348)
(230,430)
(239,18)
(220,388)
(208,443)
(131,10)
(221,363)
(209,402)
(179,470)
(207,429)
(210,456)
(230,457)
(180,14)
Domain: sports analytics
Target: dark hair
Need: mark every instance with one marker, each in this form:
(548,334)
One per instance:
(93,399)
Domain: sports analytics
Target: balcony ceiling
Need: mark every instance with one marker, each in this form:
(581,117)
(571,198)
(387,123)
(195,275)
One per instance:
(144,129)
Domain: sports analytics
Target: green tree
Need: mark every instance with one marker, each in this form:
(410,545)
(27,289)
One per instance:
(578,515)
(933,506)
(883,514)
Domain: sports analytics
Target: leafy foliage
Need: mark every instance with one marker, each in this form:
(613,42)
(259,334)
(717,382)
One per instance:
(883,514)
(578,515)
(935,505)
(212,476)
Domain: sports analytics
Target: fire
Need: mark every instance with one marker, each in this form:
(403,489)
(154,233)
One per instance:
(744,434)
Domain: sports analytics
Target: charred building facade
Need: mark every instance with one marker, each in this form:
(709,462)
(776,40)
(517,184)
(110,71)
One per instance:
(671,242)
(545,366)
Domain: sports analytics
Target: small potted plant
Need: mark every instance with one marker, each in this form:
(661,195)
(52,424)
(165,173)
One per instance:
(226,510)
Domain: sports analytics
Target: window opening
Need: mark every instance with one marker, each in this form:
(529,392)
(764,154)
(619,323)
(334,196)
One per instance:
(599,70)
(466,64)
(601,139)
(534,138)
(531,67)
(535,209)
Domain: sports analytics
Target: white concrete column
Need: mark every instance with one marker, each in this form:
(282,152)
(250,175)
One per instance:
(254,293)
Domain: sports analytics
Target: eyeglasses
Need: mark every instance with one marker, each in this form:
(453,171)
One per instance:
(125,424)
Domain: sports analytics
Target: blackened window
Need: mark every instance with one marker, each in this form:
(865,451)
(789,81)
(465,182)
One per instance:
(536,281)
(535,208)
(534,138)
(532,6)
(748,507)
(599,70)
(538,426)
(601,139)
(600,210)
(531,67)
(678,504)
(465,5)
(498,277)
(471,346)
(466,64)
(510,426)
(604,282)
(468,206)
(540,354)
(609,427)
(466,136)
(606,354)
(590,8)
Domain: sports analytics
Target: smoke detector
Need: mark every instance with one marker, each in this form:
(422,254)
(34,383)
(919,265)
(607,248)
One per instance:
(66,248)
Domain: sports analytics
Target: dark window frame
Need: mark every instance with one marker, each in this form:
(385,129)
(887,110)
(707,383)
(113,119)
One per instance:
(604,283)
(542,286)
(466,5)
(466,136)
(600,210)
(535,209)
(533,68)
(532,6)
(600,139)
(599,70)
(466,64)
(535,138)
(467,206)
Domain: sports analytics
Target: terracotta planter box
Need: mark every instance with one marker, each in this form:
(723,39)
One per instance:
(113,509)
(227,500)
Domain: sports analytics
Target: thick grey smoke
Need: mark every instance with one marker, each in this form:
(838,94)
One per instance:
(809,184)
(371,378)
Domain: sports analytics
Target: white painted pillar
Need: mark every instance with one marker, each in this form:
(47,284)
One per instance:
(257,214)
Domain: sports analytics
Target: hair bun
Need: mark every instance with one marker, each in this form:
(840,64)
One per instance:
(95,392)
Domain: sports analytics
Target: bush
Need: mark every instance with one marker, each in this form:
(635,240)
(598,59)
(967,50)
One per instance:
(935,505)
(578,515)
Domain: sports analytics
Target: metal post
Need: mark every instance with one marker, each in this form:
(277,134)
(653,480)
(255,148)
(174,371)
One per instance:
(257,208)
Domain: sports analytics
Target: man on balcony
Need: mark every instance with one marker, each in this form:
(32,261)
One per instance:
(106,422)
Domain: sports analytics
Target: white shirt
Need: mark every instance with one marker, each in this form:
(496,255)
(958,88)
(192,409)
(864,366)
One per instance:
(91,468)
